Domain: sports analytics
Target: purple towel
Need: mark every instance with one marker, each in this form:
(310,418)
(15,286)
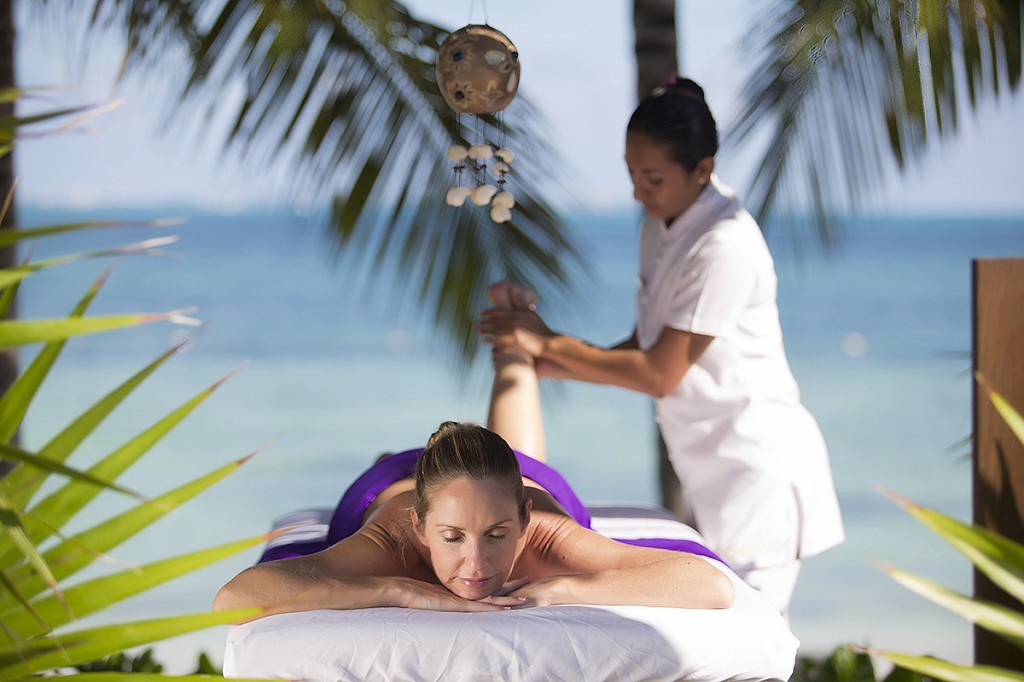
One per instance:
(348,515)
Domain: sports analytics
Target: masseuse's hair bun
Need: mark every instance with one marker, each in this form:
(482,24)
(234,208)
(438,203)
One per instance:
(679,85)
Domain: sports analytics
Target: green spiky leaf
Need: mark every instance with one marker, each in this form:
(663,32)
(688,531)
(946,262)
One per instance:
(951,672)
(1007,623)
(76,552)
(87,645)
(97,594)
(23,482)
(999,558)
(21,332)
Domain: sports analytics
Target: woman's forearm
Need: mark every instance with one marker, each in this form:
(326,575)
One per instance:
(279,590)
(625,367)
(680,582)
(283,588)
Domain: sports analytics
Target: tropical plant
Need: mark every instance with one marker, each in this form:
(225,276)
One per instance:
(844,92)
(999,558)
(36,604)
(846,665)
(346,94)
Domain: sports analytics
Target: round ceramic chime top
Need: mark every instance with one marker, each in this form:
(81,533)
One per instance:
(478,70)
(478,73)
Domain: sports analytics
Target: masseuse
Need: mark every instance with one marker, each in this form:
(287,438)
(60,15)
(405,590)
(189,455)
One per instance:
(708,348)
(466,524)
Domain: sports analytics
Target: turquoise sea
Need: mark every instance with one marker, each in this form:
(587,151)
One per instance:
(877,331)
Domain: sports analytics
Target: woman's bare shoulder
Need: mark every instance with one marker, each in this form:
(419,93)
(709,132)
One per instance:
(384,545)
(547,539)
(389,523)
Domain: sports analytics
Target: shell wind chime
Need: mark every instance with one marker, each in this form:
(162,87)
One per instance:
(478,73)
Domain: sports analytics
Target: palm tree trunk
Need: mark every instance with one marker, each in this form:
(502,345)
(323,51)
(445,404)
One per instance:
(654,24)
(8,255)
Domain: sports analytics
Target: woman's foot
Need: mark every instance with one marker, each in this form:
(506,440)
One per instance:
(507,295)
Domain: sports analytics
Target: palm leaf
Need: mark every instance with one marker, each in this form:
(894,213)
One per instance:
(346,93)
(21,332)
(357,110)
(10,521)
(16,400)
(73,554)
(87,645)
(9,125)
(944,670)
(999,558)
(1013,418)
(1005,622)
(838,85)
(97,594)
(141,677)
(11,453)
(62,504)
(23,482)
(10,237)
(11,276)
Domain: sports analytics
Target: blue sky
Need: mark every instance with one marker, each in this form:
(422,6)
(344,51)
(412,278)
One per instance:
(577,67)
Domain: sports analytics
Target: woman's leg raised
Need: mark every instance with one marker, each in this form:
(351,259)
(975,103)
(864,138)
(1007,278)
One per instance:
(514,412)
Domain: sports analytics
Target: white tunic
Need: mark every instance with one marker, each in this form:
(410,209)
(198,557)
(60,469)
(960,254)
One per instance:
(738,437)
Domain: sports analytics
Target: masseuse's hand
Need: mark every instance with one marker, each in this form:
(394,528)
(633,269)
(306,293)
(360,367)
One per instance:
(416,594)
(523,329)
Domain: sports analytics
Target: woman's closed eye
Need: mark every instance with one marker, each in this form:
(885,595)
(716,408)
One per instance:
(496,537)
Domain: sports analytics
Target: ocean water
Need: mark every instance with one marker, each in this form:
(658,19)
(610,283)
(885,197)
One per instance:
(331,373)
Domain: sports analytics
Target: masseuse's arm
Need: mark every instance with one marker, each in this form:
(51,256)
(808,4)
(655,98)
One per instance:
(588,568)
(655,371)
(358,572)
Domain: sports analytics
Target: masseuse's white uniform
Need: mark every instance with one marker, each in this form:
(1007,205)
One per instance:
(752,462)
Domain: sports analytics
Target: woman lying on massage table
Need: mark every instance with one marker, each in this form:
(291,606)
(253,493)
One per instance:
(472,531)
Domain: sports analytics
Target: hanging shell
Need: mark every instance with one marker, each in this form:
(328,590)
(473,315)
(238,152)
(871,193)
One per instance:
(505,154)
(481,152)
(457,153)
(481,196)
(500,214)
(504,200)
(457,196)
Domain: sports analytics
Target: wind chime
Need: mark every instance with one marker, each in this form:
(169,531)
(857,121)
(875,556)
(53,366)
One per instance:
(478,73)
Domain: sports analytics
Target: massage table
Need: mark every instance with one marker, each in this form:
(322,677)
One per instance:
(749,641)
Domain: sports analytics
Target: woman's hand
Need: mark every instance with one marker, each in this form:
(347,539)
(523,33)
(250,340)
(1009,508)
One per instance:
(512,586)
(416,594)
(545,592)
(523,329)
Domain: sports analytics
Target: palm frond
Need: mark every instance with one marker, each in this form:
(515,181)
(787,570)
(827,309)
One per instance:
(853,91)
(348,97)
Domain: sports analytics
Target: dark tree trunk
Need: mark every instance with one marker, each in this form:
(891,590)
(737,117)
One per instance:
(654,23)
(8,255)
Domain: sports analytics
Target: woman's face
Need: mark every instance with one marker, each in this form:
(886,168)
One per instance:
(662,185)
(472,531)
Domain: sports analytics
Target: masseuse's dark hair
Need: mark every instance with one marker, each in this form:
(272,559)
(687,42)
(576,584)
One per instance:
(677,115)
(460,450)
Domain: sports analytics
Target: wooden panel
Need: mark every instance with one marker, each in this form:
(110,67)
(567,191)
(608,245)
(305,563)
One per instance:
(998,467)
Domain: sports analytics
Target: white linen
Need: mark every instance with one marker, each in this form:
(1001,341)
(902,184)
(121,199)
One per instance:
(749,641)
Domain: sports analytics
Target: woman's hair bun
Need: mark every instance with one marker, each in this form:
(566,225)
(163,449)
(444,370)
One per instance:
(679,85)
(446,428)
